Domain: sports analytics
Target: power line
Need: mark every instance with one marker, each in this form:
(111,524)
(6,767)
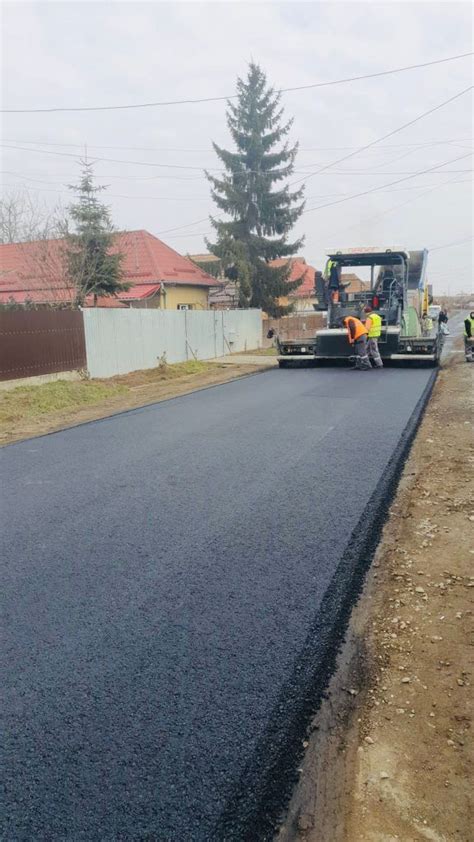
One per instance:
(64,178)
(392,146)
(297,181)
(389,184)
(347,198)
(205,233)
(384,137)
(448,245)
(233,96)
(189,234)
(61,183)
(396,190)
(211,151)
(138,163)
(396,207)
(57,191)
(112,195)
(111,160)
(206,198)
(383,172)
(200,169)
(180,227)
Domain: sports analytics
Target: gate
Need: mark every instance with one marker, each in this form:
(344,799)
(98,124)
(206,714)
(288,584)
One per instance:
(36,342)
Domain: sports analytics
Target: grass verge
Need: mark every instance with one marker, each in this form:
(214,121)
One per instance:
(27,402)
(24,409)
(264,352)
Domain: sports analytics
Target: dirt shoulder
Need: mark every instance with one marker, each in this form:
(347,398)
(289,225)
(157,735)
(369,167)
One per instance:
(390,754)
(30,411)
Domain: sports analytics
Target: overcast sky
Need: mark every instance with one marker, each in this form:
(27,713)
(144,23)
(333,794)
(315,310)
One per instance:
(90,54)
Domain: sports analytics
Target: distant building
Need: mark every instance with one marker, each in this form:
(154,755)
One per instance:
(225,294)
(303,297)
(159,276)
(355,284)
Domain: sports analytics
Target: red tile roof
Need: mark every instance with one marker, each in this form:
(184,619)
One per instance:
(139,291)
(106,301)
(34,270)
(299,268)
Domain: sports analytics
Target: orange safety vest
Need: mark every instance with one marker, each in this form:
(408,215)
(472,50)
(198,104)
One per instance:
(360,328)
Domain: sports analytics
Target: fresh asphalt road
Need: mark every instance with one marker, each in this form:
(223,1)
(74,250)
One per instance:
(162,571)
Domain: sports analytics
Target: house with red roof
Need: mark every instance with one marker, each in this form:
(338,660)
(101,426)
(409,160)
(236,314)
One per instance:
(225,296)
(157,274)
(304,296)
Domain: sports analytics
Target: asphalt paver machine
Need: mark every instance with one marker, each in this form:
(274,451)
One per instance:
(397,290)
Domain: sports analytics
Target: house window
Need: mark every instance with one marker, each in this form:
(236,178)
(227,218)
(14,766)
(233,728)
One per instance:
(185,306)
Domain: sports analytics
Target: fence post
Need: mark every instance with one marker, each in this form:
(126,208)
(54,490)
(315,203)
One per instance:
(186,333)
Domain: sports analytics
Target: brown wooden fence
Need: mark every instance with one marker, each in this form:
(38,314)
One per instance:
(36,342)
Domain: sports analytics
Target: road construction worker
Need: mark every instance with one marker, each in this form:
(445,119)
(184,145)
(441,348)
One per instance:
(330,269)
(469,337)
(443,317)
(332,273)
(357,334)
(373,324)
(426,324)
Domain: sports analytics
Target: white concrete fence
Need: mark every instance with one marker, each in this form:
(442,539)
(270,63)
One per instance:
(120,341)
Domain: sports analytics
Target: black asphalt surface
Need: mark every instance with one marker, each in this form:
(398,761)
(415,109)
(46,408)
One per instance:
(172,587)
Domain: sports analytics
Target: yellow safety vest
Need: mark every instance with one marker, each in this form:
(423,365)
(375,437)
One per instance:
(472,327)
(328,267)
(376,325)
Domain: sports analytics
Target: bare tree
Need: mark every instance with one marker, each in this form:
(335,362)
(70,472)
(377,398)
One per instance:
(40,232)
(24,219)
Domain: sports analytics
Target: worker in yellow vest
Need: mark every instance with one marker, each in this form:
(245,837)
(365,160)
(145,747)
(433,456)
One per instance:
(357,336)
(373,324)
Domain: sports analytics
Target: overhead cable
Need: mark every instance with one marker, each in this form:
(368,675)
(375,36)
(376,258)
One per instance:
(233,96)
(385,136)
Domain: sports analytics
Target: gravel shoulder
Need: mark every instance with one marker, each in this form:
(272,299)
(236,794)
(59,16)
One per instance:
(389,756)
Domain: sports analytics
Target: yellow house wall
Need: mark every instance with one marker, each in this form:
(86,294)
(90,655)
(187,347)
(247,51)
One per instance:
(198,297)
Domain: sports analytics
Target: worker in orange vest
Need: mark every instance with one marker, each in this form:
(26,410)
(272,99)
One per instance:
(357,334)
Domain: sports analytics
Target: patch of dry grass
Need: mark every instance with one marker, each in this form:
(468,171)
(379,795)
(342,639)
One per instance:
(28,402)
(164,372)
(264,352)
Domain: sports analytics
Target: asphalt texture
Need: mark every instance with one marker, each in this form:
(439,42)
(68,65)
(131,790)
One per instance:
(174,583)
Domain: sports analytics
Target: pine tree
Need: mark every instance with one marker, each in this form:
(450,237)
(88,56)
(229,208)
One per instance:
(261,216)
(90,266)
